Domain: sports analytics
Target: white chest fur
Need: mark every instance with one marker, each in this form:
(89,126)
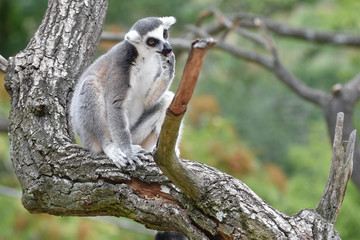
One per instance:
(142,79)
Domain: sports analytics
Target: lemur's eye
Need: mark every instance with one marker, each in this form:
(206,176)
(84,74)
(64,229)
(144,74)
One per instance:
(152,41)
(166,34)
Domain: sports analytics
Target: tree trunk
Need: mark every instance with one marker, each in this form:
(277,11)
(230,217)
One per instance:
(58,177)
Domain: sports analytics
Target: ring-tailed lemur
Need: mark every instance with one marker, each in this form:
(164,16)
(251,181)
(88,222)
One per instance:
(119,102)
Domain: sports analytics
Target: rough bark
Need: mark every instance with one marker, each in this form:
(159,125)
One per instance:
(60,178)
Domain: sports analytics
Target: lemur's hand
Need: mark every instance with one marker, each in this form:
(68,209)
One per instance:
(168,64)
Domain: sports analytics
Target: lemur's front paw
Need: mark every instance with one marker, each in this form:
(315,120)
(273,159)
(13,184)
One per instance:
(116,155)
(168,65)
(170,61)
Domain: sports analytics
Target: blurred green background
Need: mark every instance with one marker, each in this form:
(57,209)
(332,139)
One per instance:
(241,119)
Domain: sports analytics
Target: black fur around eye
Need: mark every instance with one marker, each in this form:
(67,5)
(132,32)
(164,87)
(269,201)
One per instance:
(166,34)
(152,42)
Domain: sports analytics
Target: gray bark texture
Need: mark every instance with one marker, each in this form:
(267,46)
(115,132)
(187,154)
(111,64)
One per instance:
(60,178)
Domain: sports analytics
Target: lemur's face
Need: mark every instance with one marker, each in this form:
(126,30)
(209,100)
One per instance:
(151,36)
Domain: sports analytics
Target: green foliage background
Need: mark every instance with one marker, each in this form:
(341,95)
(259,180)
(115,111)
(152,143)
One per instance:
(241,121)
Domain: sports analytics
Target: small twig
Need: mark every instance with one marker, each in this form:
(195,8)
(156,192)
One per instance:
(251,36)
(270,42)
(236,51)
(165,157)
(340,172)
(3,64)
(233,25)
(202,16)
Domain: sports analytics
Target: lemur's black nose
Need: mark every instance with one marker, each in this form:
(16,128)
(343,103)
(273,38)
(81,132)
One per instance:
(166,50)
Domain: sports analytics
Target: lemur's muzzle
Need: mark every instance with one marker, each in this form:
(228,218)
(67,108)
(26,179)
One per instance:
(166,50)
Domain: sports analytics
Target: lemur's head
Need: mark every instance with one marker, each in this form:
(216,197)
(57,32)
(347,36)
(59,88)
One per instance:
(151,35)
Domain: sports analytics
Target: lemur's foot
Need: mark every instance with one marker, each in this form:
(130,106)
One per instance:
(138,154)
(116,155)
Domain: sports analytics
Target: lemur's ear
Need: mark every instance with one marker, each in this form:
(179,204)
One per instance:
(168,21)
(133,36)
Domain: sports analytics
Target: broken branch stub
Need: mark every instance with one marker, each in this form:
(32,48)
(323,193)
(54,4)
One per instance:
(190,75)
(165,156)
(339,175)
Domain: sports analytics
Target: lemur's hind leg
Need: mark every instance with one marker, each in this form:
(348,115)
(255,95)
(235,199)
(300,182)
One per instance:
(93,129)
(146,130)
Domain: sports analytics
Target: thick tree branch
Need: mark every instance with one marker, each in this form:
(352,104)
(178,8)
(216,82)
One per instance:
(340,172)
(289,79)
(3,64)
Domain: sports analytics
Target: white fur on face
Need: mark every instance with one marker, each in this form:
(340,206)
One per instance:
(157,33)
